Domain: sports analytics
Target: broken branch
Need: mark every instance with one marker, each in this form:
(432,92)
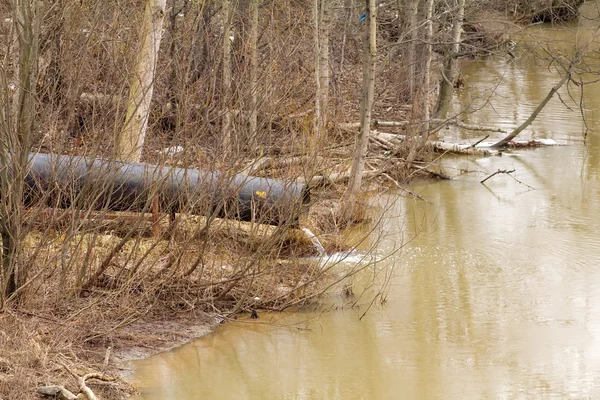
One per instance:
(500,171)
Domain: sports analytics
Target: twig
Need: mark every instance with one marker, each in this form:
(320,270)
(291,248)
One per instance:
(106,360)
(432,172)
(530,187)
(479,141)
(404,189)
(500,171)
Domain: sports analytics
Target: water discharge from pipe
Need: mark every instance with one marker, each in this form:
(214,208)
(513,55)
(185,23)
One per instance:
(315,241)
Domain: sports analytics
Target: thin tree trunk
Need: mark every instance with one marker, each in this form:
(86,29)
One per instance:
(449,69)
(348,15)
(427,78)
(16,124)
(412,46)
(226,77)
(131,140)
(412,154)
(317,44)
(324,59)
(254,68)
(362,139)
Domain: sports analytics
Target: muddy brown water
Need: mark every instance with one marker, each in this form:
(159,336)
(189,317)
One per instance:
(497,297)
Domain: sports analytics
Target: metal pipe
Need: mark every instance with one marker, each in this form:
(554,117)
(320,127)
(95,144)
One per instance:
(64,181)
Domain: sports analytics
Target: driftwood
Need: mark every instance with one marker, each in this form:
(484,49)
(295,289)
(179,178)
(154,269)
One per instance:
(442,147)
(500,171)
(84,391)
(395,182)
(355,125)
(458,148)
(470,127)
(432,172)
(509,173)
(58,392)
(337,177)
(438,122)
(257,165)
(389,140)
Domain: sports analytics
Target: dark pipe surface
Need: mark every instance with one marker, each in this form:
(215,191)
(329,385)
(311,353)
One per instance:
(71,181)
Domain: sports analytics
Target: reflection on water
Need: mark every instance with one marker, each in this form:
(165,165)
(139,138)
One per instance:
(497,298)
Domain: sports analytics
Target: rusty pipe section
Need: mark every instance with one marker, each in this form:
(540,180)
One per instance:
(65,181)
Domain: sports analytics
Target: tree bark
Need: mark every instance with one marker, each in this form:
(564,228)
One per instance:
(131,140)
(254,68)
(18,114)
(429,52)
(449,69)
(413,12)
(412,154)
(318,89)
(324,59)
(226,78)
(362,139)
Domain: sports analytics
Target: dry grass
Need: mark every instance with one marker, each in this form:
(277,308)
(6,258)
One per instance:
(148,298)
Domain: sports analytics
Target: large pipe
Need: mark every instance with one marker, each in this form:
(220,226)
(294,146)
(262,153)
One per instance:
(71,181)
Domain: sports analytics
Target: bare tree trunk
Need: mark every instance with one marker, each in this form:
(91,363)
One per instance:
(412,154)
(16,124)
(131,140)
(348,15)
(324,59)
(226,77)
(427,79)
(254,68)
(318,91)
(412,46)
(449,70)
(362,139)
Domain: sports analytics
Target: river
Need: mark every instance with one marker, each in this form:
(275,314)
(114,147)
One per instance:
(496,297)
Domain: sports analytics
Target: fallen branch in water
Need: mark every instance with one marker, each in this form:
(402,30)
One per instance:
(471,127)
(479,141)
(500,171)
(439,122)
(443,147)
(395,182)
(432,172)
(569,70)
(509,173)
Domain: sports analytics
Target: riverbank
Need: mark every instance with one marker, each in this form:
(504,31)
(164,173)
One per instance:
(157,293)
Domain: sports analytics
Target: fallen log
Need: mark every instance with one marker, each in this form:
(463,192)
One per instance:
(470,127)
(257,165)
(458,148)
(337,177)
(438,122)
(442,147)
